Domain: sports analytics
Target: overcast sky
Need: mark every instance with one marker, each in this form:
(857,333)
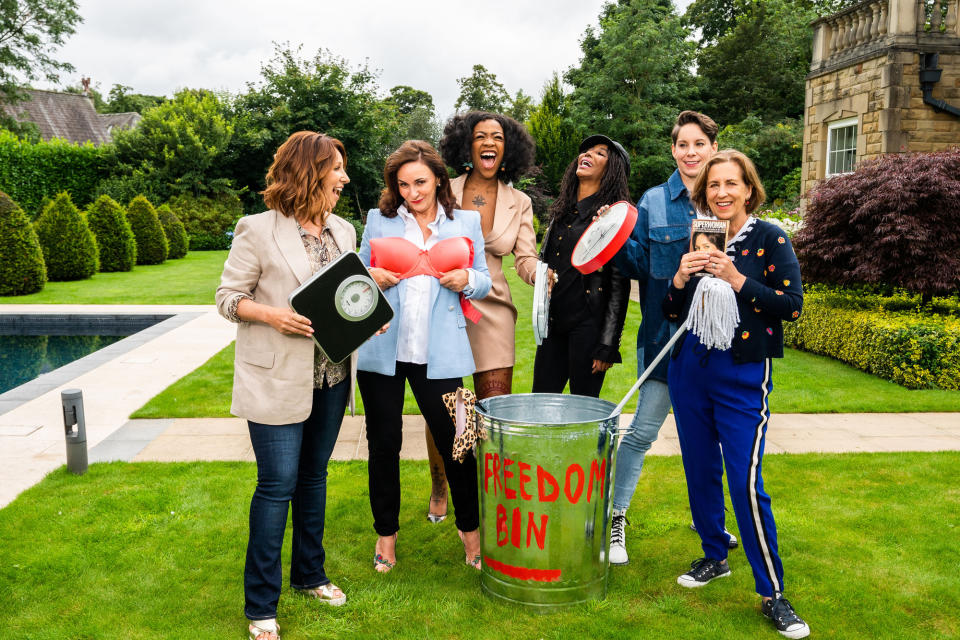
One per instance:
(159,46)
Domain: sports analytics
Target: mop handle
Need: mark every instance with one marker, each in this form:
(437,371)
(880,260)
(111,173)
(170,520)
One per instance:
(646,373)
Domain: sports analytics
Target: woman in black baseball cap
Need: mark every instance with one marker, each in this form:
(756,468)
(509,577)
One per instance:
(586,311)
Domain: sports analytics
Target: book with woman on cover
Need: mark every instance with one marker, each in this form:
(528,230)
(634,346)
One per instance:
(707,234)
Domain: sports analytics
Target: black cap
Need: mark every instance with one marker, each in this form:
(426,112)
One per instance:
(599,138)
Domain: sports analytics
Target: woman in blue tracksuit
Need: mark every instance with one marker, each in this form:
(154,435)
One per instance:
(720,396)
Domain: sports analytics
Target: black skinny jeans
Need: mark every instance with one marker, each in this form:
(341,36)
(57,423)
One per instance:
(383,402)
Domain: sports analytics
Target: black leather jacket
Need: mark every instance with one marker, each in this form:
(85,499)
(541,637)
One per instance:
(607,293)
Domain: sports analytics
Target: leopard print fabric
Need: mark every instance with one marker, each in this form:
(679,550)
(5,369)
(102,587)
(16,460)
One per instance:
(470,431)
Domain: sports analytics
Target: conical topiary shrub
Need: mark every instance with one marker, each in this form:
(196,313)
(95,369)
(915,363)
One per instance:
(118,248)
(151,242)
(69,248)
(174,230)
(21,260)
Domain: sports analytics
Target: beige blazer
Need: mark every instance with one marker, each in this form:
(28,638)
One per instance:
(273,373)
(492,339)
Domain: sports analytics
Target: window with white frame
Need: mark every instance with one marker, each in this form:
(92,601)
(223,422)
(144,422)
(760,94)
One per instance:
(841,146)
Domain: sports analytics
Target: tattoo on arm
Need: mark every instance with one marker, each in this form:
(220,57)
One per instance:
(479,201)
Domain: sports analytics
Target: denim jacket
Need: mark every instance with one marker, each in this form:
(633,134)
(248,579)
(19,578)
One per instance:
(651,257)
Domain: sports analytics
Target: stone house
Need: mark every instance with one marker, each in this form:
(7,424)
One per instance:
(884,78)
(70,116)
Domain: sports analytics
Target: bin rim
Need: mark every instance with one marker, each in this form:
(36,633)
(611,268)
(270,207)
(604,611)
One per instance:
(607,406)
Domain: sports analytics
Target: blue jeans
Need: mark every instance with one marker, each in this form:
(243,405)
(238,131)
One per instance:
(291,468)
(653,405)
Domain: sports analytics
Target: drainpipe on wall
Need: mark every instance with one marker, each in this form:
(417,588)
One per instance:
(929,76)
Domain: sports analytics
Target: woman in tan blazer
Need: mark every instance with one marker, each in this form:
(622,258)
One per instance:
(292,397)
(489,151)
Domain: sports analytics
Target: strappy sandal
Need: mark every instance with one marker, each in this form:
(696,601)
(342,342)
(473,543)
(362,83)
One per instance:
(470,562)
(259,627)
(436,518)
(381,564)
(326,593)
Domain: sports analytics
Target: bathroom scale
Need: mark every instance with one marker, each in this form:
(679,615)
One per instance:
(344,304)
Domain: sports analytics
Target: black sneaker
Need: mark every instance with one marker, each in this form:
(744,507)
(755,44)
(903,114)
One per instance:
(788,623)
(703,571)
(732,541)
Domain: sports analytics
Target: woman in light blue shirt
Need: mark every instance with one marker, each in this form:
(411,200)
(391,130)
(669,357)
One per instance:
(426,344)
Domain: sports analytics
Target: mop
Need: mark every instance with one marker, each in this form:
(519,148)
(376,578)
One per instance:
(713,318)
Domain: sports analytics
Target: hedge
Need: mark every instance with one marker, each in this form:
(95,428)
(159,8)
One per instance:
(30,171)
(69,248)
(22,269)
(152,244)
(917,351)
(175,232)
(209,221)
(118,248)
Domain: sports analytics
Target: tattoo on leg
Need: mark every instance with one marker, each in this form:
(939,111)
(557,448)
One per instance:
(478,200)
(496,382)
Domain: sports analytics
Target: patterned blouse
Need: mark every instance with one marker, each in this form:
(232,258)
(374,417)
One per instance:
(320,251)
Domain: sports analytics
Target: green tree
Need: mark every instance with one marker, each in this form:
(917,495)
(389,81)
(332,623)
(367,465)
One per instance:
(407,99)
(22,269)
(734,85)
(632,81)
(414,114)
(121,100)
(69,248)
(482,91)
(319,94)
(118,247)
(175,149)
(520,106)
(30,32)
(556,137)
(175,232)
(152,246)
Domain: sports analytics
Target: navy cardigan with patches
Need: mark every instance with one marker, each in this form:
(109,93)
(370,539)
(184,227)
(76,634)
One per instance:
(772,292)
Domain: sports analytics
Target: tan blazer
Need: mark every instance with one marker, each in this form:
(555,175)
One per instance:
(273,373)
(492,339)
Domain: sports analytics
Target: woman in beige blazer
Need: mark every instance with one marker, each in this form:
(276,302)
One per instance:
(489,151)
(292,397)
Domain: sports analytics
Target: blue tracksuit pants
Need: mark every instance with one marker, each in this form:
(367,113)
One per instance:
(722,412)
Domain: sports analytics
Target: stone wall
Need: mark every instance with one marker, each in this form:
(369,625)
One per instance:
(884,94)
(866,65)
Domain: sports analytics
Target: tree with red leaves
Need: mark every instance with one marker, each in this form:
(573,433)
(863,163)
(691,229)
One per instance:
(894,221)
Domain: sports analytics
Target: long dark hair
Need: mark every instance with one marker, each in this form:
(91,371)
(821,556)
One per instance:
(414,151)
(613,187)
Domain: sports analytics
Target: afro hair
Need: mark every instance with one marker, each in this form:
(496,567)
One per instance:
(518,146)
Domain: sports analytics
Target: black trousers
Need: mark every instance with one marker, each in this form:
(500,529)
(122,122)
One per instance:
(383,402)
(568,355)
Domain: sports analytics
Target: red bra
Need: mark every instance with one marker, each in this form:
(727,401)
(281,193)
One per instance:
(407,260)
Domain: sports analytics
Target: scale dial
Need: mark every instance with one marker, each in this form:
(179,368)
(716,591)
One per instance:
(604,237)
(356,298)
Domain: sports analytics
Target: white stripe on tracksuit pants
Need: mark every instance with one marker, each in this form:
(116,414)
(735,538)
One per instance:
(721,411)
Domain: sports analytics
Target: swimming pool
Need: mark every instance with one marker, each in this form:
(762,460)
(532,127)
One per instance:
(39,352)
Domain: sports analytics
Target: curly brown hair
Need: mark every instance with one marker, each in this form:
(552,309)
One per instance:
(295,179)
(415,151)
(519,149)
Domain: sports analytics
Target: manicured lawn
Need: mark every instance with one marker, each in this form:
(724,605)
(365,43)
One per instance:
(189,280)
(803,382)
(869,544)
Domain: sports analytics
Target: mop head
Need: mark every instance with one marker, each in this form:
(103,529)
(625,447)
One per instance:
(713,313)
